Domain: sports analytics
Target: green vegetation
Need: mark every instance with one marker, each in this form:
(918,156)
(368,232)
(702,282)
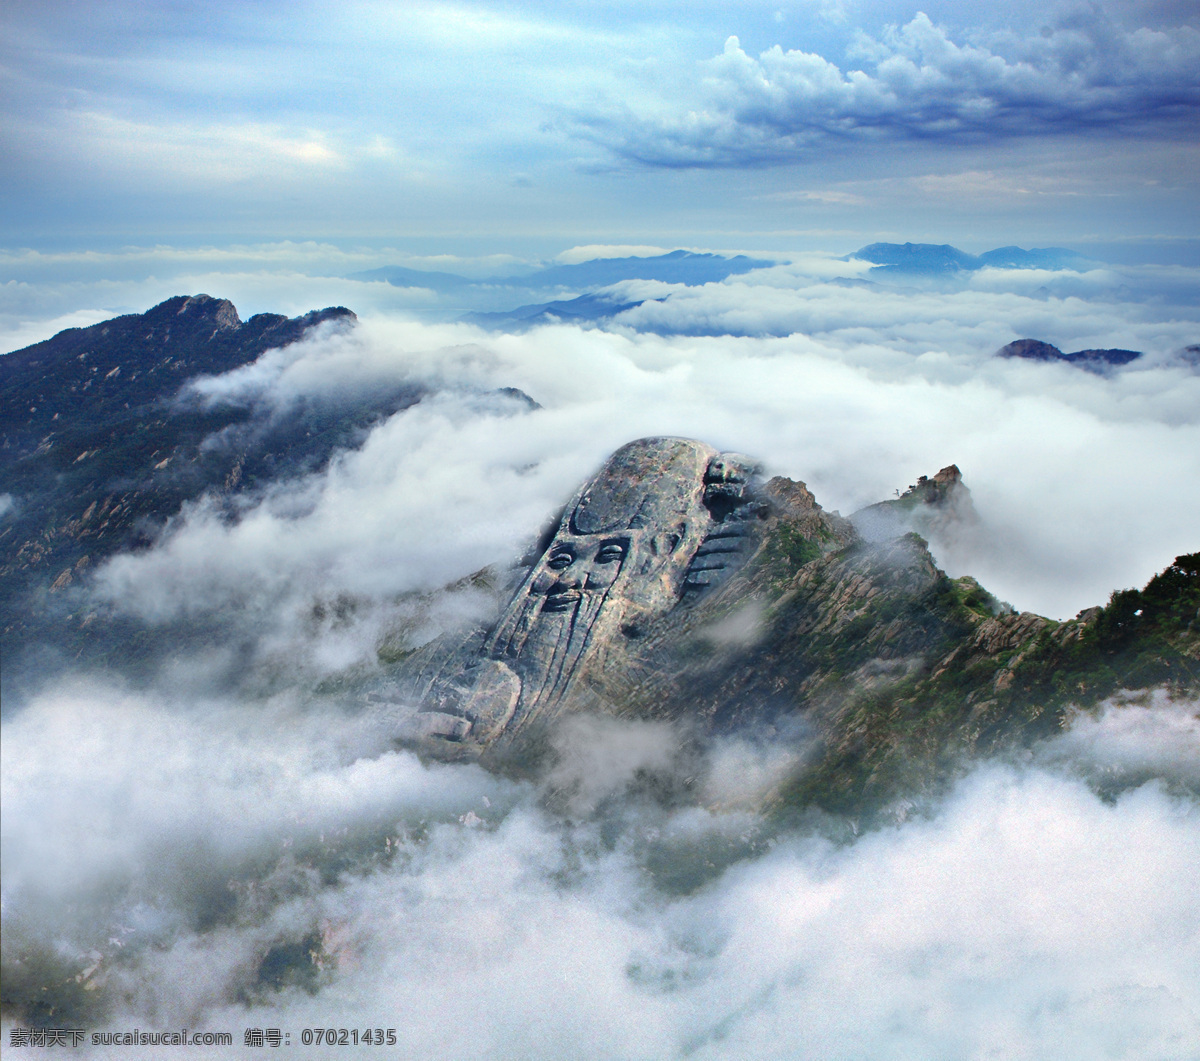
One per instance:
(975,599)
(1142,638)
(795,548)
(909,734)
(1169,605)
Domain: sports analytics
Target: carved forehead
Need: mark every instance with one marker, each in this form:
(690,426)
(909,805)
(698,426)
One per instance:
(731,468)
(646,483)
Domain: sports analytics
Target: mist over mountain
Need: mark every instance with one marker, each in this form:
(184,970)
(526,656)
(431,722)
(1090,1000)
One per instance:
(680,587)
(110,431)
(590,307)
(719,581)
(400,276)
(606,288)
(675,267)
(119,434)
(833,724)
(936,259)
(1093,360)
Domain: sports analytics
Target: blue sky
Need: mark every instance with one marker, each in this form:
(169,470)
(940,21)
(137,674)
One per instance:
(479,128)
(268,152)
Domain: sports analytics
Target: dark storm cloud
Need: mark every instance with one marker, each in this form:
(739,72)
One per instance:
(1085,76)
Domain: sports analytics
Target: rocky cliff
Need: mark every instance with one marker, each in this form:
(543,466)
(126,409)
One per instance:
(99,447)
(703,596)
(676,584)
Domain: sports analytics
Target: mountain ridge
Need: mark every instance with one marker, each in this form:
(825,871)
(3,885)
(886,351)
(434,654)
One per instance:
(97,453)
(932,259)
(1093,360)
(787,619)
(674,267)
(770,613)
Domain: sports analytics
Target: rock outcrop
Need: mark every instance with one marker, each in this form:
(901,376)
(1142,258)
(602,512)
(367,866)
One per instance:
(97,452)
(1092,360)
(938,508)
(665,519)
(679,586)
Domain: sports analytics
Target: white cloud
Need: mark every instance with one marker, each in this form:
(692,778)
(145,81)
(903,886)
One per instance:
(18,334)
(831,196)
(195,154)
(600,757)
(1085,75)
(159,849)
(1131,739)
(298,255)
(591,251)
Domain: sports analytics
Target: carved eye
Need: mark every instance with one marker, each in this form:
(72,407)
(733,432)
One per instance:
(611,553)
(560,560)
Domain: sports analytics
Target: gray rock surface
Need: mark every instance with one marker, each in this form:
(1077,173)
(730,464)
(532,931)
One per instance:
(678,587)
(664,520)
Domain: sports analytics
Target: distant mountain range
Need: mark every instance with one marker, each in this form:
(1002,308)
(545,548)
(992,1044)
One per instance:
(399,276)
(586,280)
(687,267)
(935,259)
(592,307)
(1092,360)
(677,267)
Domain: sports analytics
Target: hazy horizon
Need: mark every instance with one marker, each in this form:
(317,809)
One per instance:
(531,127)
(226,839)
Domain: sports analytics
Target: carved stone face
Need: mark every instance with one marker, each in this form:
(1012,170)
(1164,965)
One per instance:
(726,482)
(621,555)
(577,566)
(621,551)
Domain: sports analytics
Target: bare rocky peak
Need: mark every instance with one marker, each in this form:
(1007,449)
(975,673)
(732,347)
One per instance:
(678,586)
(940,509)
(789,496)
(1094,360)
(221,311)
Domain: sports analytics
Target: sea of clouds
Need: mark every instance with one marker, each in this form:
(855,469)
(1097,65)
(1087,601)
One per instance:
(177,854)
(223,866)
(1083,481)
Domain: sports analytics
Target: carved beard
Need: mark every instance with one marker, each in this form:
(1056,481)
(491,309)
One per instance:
(648,497)
(545,647)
